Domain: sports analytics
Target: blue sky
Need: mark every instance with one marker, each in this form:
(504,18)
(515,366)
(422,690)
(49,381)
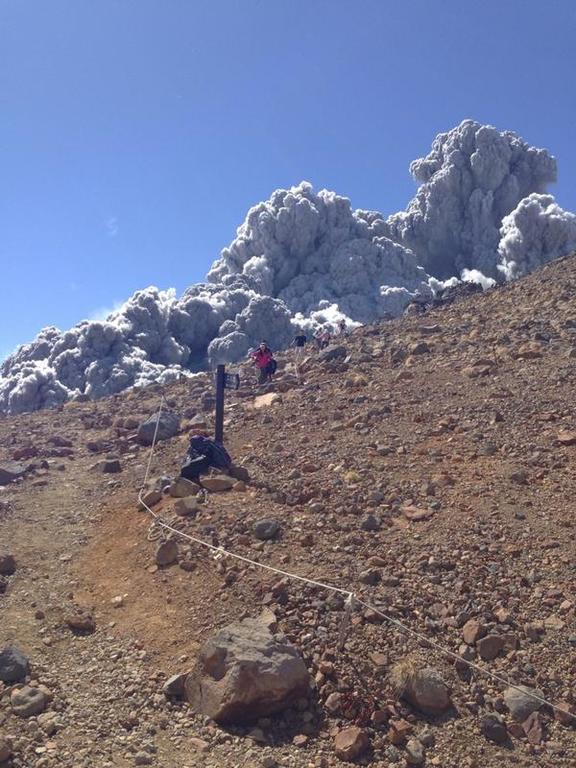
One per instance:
(135,134)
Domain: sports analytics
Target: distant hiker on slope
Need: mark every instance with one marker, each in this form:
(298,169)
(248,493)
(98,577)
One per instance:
(325,337)
(299,344)
(342,327)
(264,361)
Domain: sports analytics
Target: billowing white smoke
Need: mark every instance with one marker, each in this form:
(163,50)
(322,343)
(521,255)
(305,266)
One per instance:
(471,179)
(536,231)
(303,259)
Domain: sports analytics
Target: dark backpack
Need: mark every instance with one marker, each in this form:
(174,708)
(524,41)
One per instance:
(214,452)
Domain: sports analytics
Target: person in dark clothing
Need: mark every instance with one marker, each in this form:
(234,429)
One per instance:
(299,343)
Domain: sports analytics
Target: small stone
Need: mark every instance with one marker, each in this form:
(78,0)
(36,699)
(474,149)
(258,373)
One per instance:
(494,729)
(266,529)
(150,499)
(181,487)
(239,473)
(10,471)
(143,758)
(300,740)
(14,665)
(7,564)
(371,523)
(81,623)
(532,727)
(566,437)
(5,750)
(371,576)
(199,744)
(350,743)
(427,691)
(472,631)
(566,714)
(414,752)
(111,466)
(399,732)
(333,703)
(168,425)
(28,701)
(167,553)
(47,722)
(218,483)
(520,703)
(186,507)
(490,646)
(175,686)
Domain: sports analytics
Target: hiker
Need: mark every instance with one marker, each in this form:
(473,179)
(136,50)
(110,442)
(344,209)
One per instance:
(318,339)
(342,327)
(325,337)
(299,344)
(202,454)
(263,358)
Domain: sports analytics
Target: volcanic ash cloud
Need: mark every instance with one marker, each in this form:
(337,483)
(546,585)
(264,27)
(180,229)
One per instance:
(301,259)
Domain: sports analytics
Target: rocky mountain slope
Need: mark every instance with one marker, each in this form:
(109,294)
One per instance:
(426,464)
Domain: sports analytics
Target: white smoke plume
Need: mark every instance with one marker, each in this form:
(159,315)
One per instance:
(536,231)
(303,259)
(471,179)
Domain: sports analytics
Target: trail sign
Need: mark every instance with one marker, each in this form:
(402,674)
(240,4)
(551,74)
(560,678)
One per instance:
(231,381)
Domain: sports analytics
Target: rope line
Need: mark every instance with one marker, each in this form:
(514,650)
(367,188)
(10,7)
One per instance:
(352,600)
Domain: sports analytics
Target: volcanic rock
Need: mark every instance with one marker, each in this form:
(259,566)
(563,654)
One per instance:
(9,471)
(266,529)
(7,564)
(494,729)
(427,691)
(5,750)
(244,672)
(520,703)
(168,426)
(14,666)
(186,507)
(217,483)
(350,743)
(28,701)
(167,553)
(180,487)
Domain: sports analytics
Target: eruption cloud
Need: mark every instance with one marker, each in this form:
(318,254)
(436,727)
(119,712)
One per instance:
(302,259)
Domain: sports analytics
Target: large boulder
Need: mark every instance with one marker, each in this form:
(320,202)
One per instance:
(14,666)
(244,672)
(168,426)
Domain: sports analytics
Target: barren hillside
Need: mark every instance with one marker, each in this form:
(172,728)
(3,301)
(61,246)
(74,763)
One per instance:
(429,467)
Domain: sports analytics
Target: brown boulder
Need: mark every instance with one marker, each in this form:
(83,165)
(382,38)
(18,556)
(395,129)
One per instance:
(244,672)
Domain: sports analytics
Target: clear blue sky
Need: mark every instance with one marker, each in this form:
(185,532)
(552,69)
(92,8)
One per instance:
(135,134)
